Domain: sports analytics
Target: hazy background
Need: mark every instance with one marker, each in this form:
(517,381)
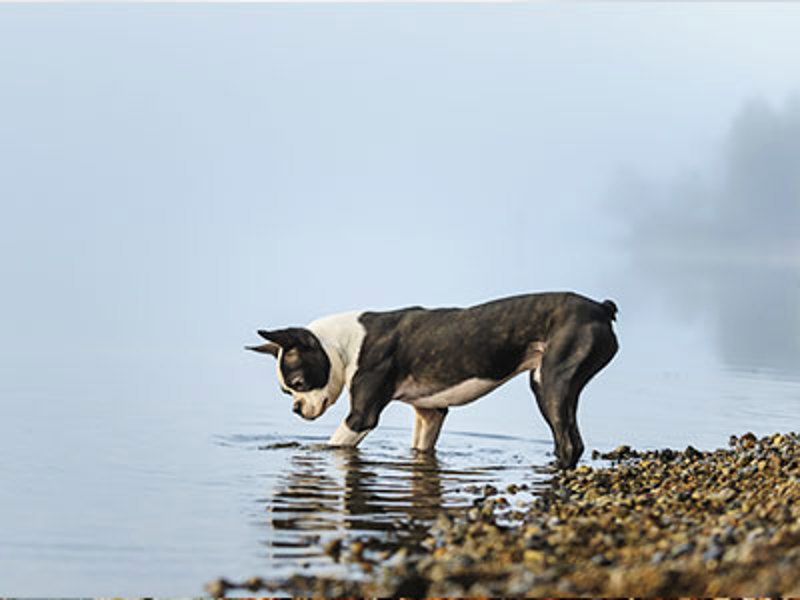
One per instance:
(174,177)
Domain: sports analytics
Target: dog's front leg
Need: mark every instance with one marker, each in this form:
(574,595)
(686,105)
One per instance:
(355,427)
(427,425)
(344,436)
(370,393)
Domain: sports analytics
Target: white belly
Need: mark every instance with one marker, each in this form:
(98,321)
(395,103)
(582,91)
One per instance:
(461,393)
(427,396)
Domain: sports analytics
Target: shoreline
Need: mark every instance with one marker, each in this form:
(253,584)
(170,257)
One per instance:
(650,523)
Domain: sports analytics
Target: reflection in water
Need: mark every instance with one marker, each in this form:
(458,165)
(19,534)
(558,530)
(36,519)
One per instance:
(413,492)
(324,494)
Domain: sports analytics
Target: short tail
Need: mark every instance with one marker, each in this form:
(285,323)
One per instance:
(611,309)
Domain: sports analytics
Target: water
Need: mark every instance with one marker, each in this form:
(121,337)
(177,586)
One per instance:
(161,488)
(386,492)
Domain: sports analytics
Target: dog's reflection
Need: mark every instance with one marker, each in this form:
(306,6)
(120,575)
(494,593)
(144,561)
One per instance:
(410,490)
(341,490)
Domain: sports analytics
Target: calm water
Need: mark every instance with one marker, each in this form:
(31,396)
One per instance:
(133,493)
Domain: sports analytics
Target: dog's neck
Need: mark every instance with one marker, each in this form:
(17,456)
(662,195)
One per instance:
(341,336)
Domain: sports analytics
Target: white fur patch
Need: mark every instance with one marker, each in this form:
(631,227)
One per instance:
(533,360)
(342,334)
(461,393)
(344,436)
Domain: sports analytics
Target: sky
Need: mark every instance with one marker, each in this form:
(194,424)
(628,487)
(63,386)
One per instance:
(174,177)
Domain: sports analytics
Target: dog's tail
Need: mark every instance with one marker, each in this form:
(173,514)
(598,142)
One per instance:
(611,309)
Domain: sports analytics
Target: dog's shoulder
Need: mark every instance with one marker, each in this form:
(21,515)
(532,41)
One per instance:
(384,329)
(381,323)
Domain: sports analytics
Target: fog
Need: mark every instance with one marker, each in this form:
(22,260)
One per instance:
(721,243)
(174,178)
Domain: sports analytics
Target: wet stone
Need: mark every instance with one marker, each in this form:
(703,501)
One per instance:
(279,446)
(334,548)
(714,552)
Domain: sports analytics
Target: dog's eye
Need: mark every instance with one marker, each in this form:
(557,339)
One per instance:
(297,383)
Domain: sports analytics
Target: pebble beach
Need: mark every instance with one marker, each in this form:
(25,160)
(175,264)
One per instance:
(641,523)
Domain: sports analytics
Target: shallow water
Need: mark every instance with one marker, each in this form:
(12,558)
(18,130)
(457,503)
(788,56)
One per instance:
(140,493)
(385,491)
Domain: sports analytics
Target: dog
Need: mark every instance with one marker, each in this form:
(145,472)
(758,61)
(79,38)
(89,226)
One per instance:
(434,359)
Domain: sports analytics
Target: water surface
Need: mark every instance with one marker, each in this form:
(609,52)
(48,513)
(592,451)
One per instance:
(135,495)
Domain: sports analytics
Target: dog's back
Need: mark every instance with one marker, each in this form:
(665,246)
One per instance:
(489,340)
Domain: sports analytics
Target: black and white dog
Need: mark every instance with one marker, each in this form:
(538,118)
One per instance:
(435,359)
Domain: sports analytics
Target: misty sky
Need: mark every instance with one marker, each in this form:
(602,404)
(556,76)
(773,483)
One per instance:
(722,244)
(173,177)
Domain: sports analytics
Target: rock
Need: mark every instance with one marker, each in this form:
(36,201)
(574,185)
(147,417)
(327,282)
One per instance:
(714,552)
(692,453)
(621,451)
(680,550)
(489,490)
(334,548)
(600,560)
(658,558)
(500,503)
(217,588)
(412,586)
(357,549)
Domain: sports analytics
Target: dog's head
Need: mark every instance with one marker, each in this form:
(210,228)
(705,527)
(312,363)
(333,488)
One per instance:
(304,369)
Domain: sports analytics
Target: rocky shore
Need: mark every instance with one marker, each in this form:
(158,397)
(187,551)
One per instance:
(655,523)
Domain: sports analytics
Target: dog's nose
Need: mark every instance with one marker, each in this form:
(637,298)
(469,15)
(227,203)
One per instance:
(297,409)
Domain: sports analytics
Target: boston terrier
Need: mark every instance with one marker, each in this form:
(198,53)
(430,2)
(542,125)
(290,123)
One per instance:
(433,359)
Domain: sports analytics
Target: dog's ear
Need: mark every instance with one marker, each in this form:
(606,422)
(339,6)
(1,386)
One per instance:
(291,337)
(268,348)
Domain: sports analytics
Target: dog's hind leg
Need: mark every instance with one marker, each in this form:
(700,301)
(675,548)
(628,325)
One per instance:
(572,359)
(553,406)
(427,425)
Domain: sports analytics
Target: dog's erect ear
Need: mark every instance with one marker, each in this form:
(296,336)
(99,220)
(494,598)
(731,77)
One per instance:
(292,337)
(268,348)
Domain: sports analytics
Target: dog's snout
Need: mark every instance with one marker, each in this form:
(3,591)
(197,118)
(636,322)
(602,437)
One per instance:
(297,409)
